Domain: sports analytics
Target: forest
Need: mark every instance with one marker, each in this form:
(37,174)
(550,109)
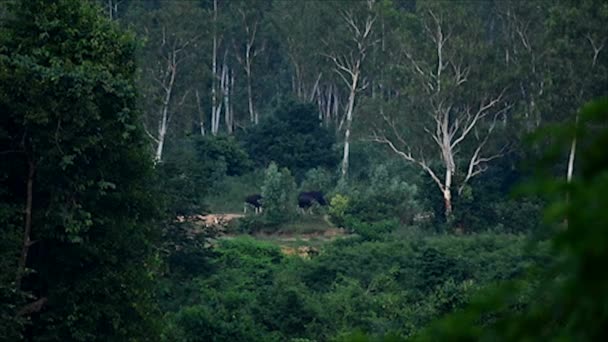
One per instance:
(303,170)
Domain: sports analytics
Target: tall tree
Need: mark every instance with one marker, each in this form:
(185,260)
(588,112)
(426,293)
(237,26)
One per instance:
(445,66)
(172,32)
(577,59)
(348,61)
(73,175)
(249,43)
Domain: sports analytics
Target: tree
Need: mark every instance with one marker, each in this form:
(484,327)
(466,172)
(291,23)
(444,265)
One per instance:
(171,44)
(294,138)
(249,45)
(278,195)
(73,175)
(348,63)
(576,30)
(567,293)
(460,112)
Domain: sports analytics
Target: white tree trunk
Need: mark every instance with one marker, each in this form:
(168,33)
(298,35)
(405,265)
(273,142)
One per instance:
(201,114)
(447,193)
(214,73)
(226,93)
(253,116)
(571,161)
(349,120)
(164,116)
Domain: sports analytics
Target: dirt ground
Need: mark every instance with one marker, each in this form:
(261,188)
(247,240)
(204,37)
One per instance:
(291,242)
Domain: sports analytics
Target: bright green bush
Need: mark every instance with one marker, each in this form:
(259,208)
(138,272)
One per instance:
(385,198)
(338,206)
(278,195)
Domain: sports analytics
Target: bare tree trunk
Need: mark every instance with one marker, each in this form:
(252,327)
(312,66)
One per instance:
(162,127)
(214,73)
(447,193)
(349,120)
(27,229)
(348,67)
(571,160)
(226,93)
(201,114)
(232,103)
(572,156)
(253,116)
(113,8)
(247,62)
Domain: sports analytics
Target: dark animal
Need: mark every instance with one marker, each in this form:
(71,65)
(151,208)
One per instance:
(255,201)
(308,198)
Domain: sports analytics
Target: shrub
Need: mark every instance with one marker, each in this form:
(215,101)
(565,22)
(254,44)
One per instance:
(278,195)
(385,198)
(337,209)
(371,230)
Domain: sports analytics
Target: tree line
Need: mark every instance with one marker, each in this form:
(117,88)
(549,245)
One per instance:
(447,86)
(99,98)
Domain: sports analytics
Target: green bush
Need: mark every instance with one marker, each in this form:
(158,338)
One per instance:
(278,195)
(338,207)
(385,199)
(376,230)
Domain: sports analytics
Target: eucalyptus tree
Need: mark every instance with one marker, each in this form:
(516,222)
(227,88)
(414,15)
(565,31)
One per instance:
(522,37)
(249,43)
(348,49)
(577,59)
(173,33)
(295,23)
(450,109)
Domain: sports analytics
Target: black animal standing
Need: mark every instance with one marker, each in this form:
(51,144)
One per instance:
(308,198)
(255,201)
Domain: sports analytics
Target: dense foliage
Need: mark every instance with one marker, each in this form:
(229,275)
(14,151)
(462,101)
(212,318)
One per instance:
(77,213)
(259,294)
(131,132)
(292,137)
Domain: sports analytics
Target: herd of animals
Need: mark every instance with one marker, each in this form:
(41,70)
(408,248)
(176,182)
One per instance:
(305,200)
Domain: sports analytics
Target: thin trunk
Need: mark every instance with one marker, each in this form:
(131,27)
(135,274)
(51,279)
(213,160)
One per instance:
(571,160)
(572,156)
(232,103)
(226,91)
(349,121)
(336,101)
(346,151)
(252,114)
(162,128)
(447,193)
(315,88)
(27,229)
(214,74)
(570,172)
(162,131)
(201,114)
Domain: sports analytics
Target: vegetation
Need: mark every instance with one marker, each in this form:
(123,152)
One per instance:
(459,147)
